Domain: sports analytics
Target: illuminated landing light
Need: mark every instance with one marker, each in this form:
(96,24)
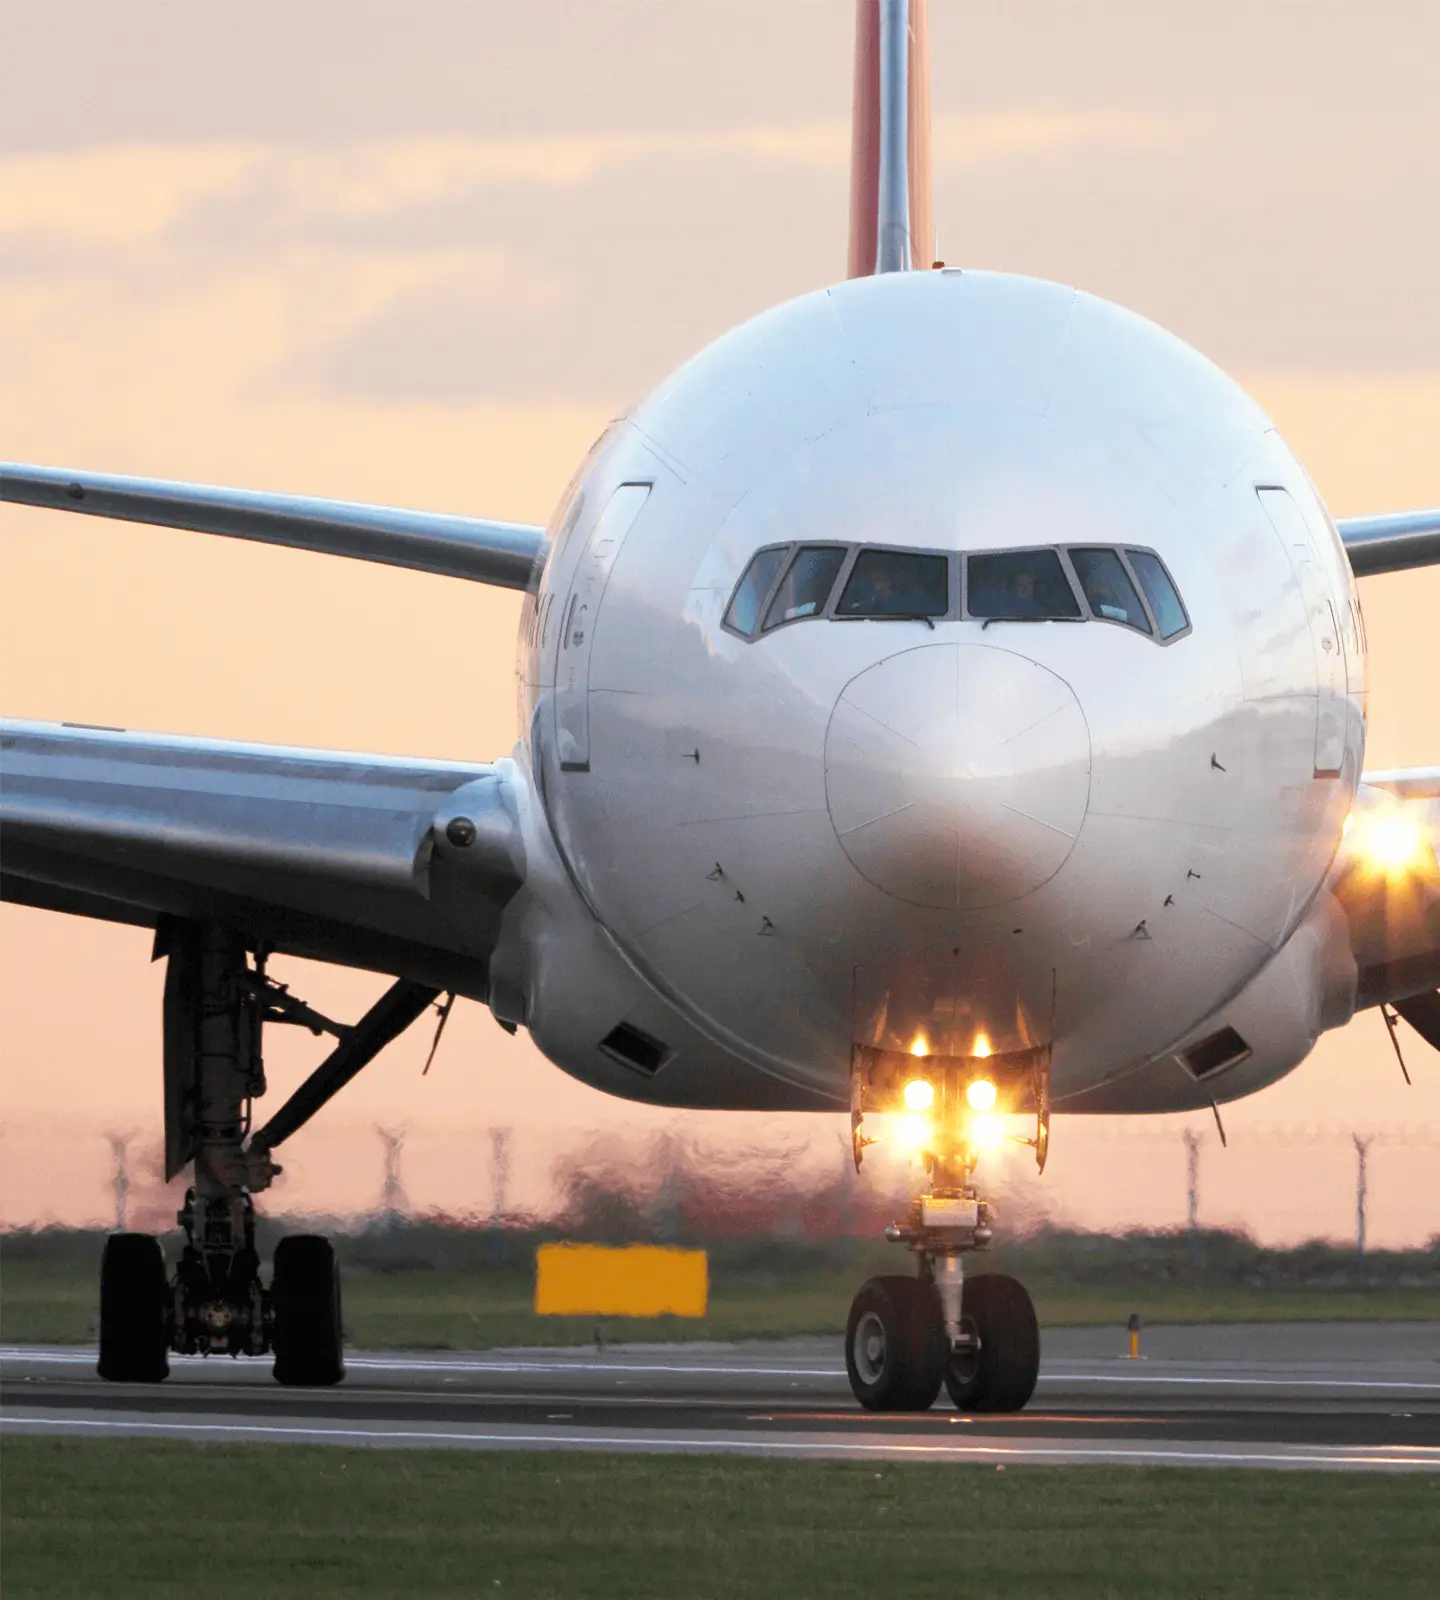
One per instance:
(919,1095)
(914,1131)
(921,1047)
(981,1095)
(1390,844)
(983,1047)
(986,1131)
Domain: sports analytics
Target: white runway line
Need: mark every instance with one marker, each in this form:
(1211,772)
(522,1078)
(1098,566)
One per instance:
(1154,1376)
(1033,1452)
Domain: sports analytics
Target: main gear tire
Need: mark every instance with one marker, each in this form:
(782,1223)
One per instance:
(895,1345)
(134,1310)
(1000,1375)
(307,1337)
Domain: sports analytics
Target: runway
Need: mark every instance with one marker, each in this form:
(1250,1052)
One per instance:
(1356,1396)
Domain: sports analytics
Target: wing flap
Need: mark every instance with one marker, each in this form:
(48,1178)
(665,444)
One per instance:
(504,554)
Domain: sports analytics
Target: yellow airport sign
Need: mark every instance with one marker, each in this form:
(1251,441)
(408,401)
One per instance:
(590,1280)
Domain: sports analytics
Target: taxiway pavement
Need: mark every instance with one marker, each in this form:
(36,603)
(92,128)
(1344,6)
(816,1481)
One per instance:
(1317,1395)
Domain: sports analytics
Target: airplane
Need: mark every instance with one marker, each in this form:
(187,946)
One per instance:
(942,698)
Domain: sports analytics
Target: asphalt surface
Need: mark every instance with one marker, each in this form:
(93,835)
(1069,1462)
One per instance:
(1339,1396)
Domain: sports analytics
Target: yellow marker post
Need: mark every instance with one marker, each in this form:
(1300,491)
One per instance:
(590,1280)
(1134,1328)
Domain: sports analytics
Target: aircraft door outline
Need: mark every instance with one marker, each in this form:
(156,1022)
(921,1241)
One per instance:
(1332,671)
(570,701)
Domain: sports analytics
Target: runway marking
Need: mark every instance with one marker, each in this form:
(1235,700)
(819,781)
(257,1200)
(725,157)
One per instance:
(1153,1378)
(1377,1457)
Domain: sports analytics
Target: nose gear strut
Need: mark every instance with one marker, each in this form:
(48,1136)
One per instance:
(216,1005)
(904,1336)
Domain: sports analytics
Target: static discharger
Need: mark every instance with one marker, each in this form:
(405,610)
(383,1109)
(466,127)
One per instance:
(587,1280)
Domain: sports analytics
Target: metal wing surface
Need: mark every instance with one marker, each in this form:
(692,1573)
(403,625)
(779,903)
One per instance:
(395,865)
(1394,543)
(504,554)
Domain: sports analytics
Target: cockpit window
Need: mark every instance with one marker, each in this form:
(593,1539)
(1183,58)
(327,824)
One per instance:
(894,583)
(1020,584)
(806,586)
(1164,601)
(754,585)
(1108,588)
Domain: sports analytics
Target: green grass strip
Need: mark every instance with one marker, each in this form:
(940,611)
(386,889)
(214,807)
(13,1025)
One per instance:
(157,1518)
(55,1303)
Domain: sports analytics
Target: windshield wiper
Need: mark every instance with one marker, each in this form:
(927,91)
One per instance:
(989,620)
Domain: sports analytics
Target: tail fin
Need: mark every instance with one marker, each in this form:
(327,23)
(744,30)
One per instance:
(892,223)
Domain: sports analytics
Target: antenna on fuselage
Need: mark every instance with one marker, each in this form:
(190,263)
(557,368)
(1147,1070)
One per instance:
(892,217)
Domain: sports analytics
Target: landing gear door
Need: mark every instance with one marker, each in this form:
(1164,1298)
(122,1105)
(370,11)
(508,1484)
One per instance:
(1332,688)
(578,617)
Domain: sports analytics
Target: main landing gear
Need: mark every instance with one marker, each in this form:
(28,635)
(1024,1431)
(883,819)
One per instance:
(216,1004)
(907,1336)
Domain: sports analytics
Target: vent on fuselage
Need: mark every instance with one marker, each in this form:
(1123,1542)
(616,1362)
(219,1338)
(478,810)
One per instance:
(635,1049)
(1212,1055)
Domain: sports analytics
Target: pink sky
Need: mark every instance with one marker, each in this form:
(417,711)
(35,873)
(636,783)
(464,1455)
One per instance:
(421,257)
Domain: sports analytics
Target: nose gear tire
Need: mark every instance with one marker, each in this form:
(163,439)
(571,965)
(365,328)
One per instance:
(1001,1375)
(895,1345)
(134,1310)
(307,1337)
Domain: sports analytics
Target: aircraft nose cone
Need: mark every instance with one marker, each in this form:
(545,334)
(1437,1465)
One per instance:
(957,776)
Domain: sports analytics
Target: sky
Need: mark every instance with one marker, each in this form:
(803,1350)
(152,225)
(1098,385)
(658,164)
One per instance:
(421,254)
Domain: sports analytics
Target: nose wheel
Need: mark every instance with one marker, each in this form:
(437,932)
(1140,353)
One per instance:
(905,1337)
(895,1345)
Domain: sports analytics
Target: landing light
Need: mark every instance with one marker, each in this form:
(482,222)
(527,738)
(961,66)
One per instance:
(914,1131)
(1390,843)
(919,1095)
(983,1046)
(981,1094)
(986,1130)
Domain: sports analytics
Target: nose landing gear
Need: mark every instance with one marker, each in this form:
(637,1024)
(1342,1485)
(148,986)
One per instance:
(905,1337)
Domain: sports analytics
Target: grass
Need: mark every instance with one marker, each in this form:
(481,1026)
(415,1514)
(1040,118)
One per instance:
(55,1302)
(154,1518)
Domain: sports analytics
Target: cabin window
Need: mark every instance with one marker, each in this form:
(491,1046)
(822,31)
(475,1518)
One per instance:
(1160,591)
(805,588)
(896,583)
(1108,588)
(1019,585)
(754,585)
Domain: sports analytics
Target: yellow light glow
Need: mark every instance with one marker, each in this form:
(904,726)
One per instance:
(1390,842)
(986,1130)
(919,1095)
(981,1094)
(914,1131)
(921,1047)
(982,1045)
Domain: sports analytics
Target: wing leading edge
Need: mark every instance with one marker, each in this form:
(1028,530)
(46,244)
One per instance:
(379,862)
(504,554)
(1394,543)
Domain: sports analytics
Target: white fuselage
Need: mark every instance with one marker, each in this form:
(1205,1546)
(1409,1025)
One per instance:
(954,836)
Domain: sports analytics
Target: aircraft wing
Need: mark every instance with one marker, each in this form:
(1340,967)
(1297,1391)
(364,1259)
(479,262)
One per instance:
(1387,880)
(1393,543)
(501,553)
(395,865)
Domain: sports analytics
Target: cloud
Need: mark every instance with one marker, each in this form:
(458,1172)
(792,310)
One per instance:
(124,194)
